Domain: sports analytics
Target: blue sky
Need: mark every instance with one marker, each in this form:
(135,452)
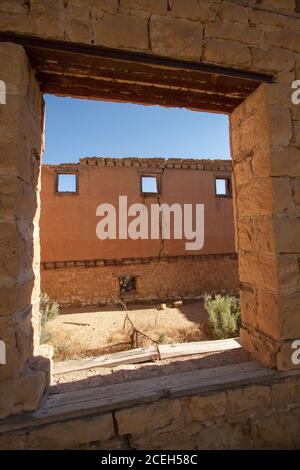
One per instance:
(82,128)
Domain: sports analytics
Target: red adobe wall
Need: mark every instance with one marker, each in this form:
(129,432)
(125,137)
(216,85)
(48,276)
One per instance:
(69,241)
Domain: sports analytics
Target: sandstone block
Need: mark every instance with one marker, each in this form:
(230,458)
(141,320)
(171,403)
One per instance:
(285,38)
(22,393)
(192,10)
(249,399)
(281,5)
(285,392)
(287,234)
(17,7)
(280,430)
(83,12)
(273,313)
(265,196)
(261,348)
(243,172)
(268,271)
(72,434)
(280,125)
(231,13)
(46,19)
(285,161)
(16,332)
(230,53)
(152,6)
(122,31)
(177,38)
(233,31)
(273,59)
(205,408)
(144,418)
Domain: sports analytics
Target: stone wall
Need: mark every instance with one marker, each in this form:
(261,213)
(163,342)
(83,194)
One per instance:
(265,416)
(248,35)
(267,175)
(23,380)
(96,281)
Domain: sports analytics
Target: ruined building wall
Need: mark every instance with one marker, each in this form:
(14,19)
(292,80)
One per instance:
(245,34)
(79,268)
(254,416)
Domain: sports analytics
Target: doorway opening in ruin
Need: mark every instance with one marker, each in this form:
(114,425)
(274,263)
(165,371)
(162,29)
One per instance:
(125,293)
(88,72)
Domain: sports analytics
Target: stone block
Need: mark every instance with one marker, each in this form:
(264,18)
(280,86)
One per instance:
(273,59)
(176,38)
(152,6)
(231,13)
(285,38)
(145,418)
(22,393)
(16,332)
(123,32)
(269,271)
(285,161)
(265,196)
(229,53)
(279,430)
(192,10)
(206,408)
(261,348)
(250,399)
(234,32)
(72,434)
(285,392)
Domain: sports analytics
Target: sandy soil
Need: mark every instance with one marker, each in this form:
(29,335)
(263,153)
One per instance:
(88,332)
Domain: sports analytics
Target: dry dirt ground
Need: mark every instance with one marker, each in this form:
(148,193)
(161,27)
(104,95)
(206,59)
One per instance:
(89,333)
(86,332)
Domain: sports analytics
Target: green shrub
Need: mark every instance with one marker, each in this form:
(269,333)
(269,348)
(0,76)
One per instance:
(48,311)
(162,338)
(223,315)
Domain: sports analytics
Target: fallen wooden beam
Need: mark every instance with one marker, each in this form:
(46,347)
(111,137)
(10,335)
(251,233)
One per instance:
(133,356)
(151,353)
(200,347)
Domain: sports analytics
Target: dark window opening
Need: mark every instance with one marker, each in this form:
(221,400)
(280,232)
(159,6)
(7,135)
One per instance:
(223,187)
(67,183)
(127,284)
(297,6)
(149,185)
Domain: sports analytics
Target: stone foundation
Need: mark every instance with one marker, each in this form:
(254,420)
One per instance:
(97,282)
(262,416)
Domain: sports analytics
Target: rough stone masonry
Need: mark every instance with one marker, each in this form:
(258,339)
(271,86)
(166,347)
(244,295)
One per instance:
(246,35)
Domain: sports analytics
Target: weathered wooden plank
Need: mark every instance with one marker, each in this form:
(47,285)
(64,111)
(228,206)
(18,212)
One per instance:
(90,394)
(139,73)
(132,97)
(133,356)
(124,91)
(197,347)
